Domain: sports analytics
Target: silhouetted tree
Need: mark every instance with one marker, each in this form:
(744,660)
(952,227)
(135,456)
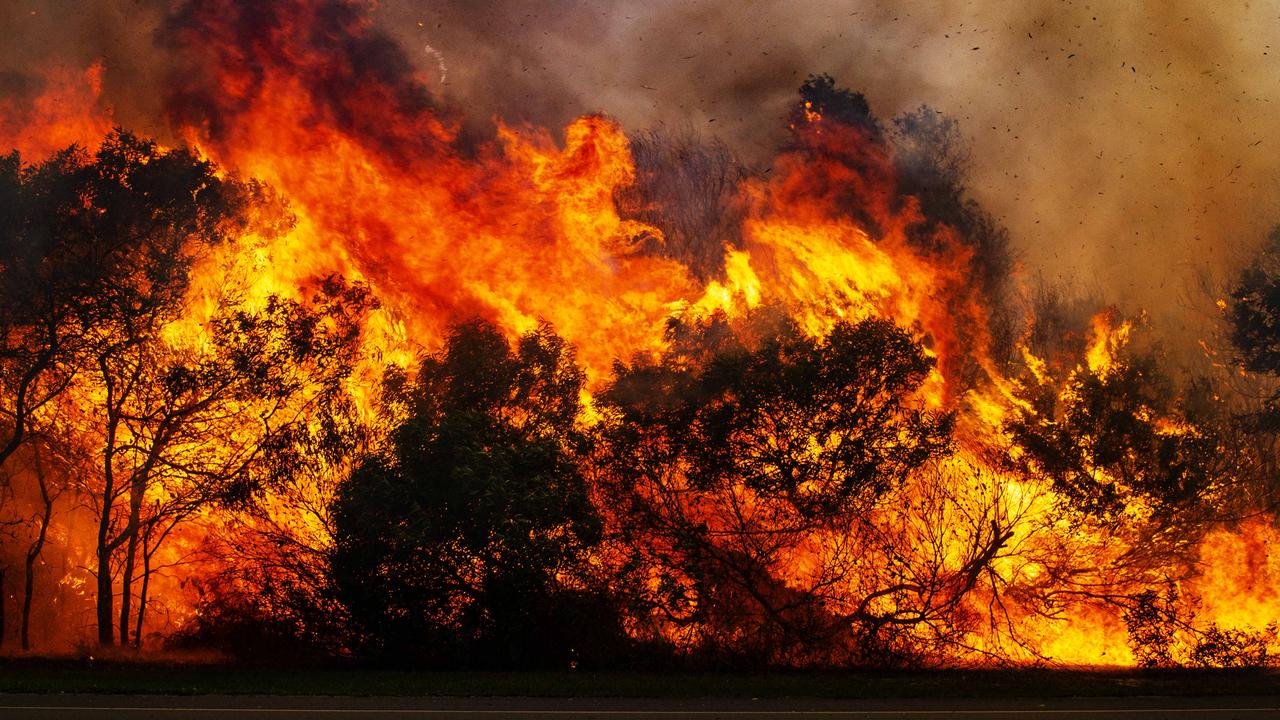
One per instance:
(176,421)
(1253,328)
(820,96)
(1254,315)
(195,426)
(96,255)
(841,163)
(279,598)
(49,282)
(836,156)
(1162,633)
(39,474)
(1143,463)
(465,543)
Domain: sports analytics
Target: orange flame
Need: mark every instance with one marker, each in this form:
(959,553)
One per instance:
(523,229)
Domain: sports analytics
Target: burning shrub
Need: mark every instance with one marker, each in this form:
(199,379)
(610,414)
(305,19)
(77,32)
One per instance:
(742,472)
(1218,647)
(1162,633)
(933,163)
(1153,624)
(1114,436)
(1255,312)
(244,624)
(690,189)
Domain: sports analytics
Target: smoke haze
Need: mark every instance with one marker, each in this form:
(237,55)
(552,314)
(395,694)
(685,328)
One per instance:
(1127,146)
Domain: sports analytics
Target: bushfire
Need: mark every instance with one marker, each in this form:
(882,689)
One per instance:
(319,369)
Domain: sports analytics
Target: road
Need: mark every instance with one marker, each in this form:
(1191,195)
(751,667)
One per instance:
(216,707)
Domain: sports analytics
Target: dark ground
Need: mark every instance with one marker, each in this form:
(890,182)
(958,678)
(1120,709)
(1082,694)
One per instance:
(149,677)
(251,707)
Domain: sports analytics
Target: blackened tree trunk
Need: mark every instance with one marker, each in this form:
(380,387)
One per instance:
(105,604)
(33,552)
(142,592)
(2,571)
(131,555)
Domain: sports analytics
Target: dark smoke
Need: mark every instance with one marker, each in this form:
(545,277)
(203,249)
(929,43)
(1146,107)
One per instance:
(359,80)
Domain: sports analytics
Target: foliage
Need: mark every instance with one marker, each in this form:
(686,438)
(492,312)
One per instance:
(934,164)
(180,412)
(1218,647)
(1162,634)
(465,543)
(1153,624)
(234,620)
(1117,438)
(104,245)
(89,245)
(1255,311)
(820,95)
(1254,326)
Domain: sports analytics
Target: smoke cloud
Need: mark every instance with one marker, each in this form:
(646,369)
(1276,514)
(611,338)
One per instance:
(1128,147)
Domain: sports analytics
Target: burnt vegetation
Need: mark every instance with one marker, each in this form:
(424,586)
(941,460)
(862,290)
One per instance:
(759,494)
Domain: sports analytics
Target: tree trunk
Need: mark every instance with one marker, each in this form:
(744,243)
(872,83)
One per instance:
(137,489)
(126,588)
(142,594)
(105,604)
(33,553)
(2,570)
(27,592)
(105,548)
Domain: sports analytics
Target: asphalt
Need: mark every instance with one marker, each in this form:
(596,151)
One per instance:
(220,707)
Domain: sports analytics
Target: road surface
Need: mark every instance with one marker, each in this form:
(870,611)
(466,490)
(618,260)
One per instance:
(220,707)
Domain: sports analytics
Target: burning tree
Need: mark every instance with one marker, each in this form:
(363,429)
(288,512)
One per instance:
(38,329)
(1254,325)
(747,474)
(176,422)
(691,190)
(1113,438)
(1144,465)
(35,479)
